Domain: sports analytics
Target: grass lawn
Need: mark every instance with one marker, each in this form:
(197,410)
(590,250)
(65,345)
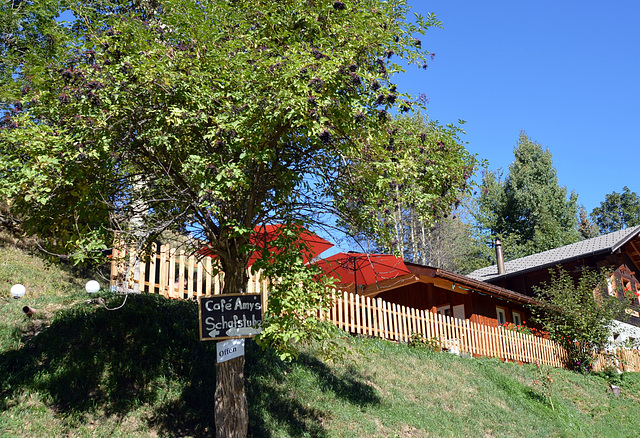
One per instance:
(77,369)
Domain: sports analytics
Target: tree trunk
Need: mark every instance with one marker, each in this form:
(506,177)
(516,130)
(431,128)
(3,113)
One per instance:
(231,408)
(423,237)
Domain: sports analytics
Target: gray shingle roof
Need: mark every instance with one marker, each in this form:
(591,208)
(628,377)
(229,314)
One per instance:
(608,242)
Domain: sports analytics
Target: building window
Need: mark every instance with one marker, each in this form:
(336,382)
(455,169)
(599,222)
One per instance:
(444,310)
(458,311)
(517,318)
(611,286)
(502,315)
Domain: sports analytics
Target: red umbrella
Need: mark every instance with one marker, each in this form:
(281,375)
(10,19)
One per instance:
(363,269)
(310,244)
(264,236)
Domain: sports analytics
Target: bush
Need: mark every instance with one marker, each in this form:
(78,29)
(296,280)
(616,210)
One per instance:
(577,314)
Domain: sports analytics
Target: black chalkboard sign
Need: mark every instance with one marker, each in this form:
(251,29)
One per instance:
(230,316)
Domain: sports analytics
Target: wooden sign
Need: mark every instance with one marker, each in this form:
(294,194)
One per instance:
(632,312)
(230,316)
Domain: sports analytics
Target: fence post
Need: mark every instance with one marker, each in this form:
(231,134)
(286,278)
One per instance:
(356,298)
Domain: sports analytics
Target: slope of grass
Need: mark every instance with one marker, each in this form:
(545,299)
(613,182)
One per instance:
(78,369)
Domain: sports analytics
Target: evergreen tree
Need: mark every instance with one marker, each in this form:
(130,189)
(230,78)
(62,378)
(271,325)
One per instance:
(527,210)
(587,228)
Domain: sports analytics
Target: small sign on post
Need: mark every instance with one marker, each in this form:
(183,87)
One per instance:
(230,316)
(229,349)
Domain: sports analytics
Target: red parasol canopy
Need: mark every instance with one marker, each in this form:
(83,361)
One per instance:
(310,243)
(263,237)
(363,269)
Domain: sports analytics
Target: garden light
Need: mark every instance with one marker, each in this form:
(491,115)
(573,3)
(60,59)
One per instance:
(18,290)
(92,286)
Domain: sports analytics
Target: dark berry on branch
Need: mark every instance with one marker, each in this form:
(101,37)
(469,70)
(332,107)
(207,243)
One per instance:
(375,85)
(338,5)
(353,67)
(93,98)
(318,54)
(316,83)
(359,117)
(94,85)
(325,137)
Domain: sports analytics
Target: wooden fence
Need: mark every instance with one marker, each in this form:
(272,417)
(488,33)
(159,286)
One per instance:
(620,358)
(172,273)
(375,317)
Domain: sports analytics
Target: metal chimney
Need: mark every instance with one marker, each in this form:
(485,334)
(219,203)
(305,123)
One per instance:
(500,257)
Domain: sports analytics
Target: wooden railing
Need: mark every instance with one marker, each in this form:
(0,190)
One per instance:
(172,273)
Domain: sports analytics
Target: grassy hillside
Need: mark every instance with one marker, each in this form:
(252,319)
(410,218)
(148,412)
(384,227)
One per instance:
(78,369)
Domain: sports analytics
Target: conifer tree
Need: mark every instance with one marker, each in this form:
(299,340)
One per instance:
(528,210)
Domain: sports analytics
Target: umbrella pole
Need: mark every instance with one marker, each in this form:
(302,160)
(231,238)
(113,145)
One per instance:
(355,277)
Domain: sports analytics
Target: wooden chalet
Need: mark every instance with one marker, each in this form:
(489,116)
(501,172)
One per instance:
(447,293)
(617,252)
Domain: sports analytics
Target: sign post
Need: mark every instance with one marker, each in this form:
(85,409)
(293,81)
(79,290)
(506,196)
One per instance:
(230,316)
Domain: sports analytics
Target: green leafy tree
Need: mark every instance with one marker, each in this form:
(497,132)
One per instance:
(207,116)
(448,245)
(402,188)
(527,209)
(578,313)
(618,211)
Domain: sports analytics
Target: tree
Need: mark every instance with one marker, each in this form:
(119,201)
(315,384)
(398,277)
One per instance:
(422,174)
(578,313)
(587,228)
(204,116)
(527,210)
(618,211)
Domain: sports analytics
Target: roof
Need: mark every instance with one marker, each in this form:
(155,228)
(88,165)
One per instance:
(456,282)
(608,243)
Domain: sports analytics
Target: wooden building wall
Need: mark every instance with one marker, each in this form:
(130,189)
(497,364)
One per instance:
(478,308)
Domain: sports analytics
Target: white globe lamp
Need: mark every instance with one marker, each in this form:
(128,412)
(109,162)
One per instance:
(92,286)
(18,290)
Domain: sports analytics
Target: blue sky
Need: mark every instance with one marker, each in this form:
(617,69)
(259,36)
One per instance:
(565,72)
